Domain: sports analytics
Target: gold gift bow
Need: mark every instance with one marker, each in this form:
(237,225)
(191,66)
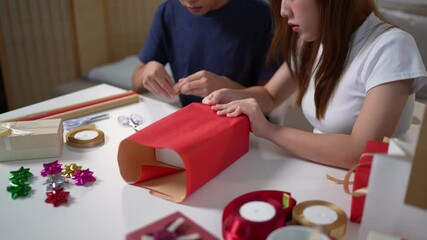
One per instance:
(9,130)
(346,181)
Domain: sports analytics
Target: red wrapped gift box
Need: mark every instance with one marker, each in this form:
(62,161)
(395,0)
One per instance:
(361,177)
(206,143)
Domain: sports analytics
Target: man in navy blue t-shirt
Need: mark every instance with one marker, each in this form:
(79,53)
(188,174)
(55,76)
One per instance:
(210,44)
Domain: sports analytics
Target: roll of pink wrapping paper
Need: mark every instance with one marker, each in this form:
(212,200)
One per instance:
(83,108)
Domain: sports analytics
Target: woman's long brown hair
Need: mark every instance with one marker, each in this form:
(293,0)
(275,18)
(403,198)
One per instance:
(338,20)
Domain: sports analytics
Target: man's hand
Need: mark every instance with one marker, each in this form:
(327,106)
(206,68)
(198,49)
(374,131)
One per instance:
(202,83)
(154,78)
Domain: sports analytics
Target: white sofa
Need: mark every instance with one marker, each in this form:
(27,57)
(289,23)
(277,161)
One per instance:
(411,16)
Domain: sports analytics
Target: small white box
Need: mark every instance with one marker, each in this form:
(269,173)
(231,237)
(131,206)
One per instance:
(38,139)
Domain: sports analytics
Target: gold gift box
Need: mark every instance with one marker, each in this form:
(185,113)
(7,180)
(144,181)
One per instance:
(31,139)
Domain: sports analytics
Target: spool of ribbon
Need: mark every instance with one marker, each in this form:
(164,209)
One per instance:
(85,137)
(324,216)
(256,214)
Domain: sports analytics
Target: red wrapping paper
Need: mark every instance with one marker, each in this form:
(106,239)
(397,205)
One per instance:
(207,144)
(361,177)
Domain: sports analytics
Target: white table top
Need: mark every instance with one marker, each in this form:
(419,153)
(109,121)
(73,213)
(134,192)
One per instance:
(110,208)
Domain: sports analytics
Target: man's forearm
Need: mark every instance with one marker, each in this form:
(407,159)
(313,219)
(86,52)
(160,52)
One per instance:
(137,84)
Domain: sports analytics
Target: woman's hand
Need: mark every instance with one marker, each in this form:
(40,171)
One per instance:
(224,95)
(260,126)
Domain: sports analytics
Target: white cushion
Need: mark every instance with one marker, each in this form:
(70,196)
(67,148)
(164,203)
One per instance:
(118,74)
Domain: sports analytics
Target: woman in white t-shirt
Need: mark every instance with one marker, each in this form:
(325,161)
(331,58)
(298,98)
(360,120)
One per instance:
(355,78)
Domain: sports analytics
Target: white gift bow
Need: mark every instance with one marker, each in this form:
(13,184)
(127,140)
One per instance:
(10,130)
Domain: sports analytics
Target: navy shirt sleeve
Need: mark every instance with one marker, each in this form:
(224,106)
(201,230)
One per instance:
(153,48)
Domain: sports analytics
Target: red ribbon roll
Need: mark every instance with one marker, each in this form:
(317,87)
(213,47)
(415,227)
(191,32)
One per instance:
(235,227)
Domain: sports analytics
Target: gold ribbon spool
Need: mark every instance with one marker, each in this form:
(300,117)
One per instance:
(78,143)
(335,229)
